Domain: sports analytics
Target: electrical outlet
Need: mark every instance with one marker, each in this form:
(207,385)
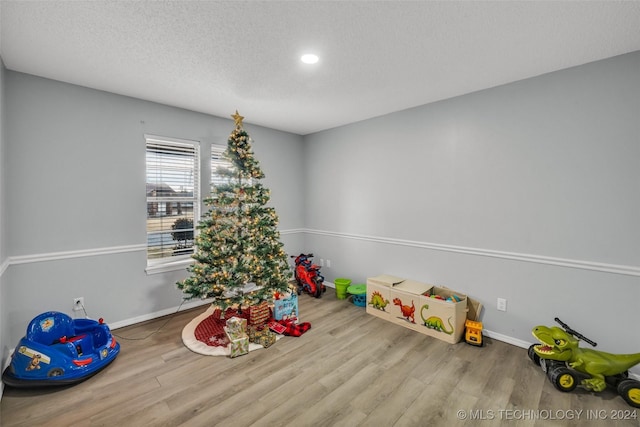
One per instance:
(321,262)
(78,304)
(502,304)
(328,263)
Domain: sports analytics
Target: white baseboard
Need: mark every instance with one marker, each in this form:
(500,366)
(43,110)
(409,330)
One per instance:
(155,315)
(507,339)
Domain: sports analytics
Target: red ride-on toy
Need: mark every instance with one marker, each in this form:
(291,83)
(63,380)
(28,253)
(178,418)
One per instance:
(308,276)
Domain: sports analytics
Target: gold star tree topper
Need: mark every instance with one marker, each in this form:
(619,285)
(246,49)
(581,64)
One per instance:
(238,119)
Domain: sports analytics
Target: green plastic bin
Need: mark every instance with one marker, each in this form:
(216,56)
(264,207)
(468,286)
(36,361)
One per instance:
(341,287)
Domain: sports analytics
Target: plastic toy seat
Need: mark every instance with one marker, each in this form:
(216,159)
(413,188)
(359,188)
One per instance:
(48,328)
(61,331)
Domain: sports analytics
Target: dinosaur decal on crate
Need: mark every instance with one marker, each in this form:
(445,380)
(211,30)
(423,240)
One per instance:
(435,322)
(377,301)
(407,312)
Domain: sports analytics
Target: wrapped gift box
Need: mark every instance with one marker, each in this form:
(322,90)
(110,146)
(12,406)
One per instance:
(262,336)
(267,339)
(259,314)
(238,343)
(255,332)
(237,324)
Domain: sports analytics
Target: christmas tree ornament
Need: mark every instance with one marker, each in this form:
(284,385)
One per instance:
(238,119)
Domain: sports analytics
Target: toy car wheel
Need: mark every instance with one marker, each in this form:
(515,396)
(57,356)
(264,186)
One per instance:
(55,372)
(629,389)
(532,354)
(318,292)
(549,365)
(563,379)
(615,380)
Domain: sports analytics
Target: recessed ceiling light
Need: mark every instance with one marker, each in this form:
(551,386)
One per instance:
(309,58)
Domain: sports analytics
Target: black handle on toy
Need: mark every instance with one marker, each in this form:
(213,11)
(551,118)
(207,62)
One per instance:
(574,333)
(307,255)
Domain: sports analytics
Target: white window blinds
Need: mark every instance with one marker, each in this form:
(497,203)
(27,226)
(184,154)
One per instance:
(172,197)
(218,164)
(222,170)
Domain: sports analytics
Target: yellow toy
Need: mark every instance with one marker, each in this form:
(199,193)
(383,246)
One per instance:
(473,333)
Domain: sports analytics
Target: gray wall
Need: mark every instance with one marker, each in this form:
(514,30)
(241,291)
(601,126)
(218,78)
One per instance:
(4,345)
(77,204)
(528,191)
(3,252)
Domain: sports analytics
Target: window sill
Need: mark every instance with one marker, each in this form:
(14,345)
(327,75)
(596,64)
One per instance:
(168,266)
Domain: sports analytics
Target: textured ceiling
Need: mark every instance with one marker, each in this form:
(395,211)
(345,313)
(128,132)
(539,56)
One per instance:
(376,57)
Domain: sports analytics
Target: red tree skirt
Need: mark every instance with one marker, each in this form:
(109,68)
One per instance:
(211,330)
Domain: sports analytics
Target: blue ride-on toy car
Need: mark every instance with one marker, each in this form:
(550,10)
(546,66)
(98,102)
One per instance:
(59,350)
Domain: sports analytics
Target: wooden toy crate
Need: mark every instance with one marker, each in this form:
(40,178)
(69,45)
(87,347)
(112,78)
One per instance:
(406,303)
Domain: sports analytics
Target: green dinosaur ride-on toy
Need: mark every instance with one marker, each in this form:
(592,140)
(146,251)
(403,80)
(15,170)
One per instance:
(567,365)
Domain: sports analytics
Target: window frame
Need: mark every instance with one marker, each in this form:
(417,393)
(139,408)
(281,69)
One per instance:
(169,263)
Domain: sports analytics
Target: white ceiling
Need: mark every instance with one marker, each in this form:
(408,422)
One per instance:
(376,57)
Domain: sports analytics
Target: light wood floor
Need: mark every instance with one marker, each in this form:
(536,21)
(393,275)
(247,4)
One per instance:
(350,369)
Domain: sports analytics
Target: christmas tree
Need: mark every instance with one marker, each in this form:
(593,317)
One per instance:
(239,260)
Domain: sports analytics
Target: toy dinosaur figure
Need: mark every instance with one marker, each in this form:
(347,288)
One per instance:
(435,322)
(377,301)
(558,344)
(407,312)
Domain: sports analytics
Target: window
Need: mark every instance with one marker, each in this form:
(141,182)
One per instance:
(173,198)
(218,162)
(221,167)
